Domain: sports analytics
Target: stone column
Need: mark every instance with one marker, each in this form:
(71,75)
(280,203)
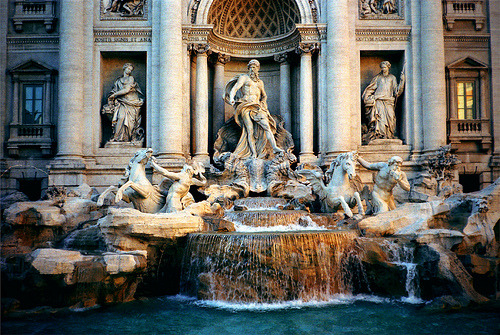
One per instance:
(337,77)
(201,105)
(433,76)
(71,80)
(306,119)
(285,90)
(218,108)
(170,75)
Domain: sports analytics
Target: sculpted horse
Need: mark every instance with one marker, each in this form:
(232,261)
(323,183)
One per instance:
(342,185)
(137,189)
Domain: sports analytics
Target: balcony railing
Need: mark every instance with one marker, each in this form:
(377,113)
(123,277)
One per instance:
(33,11)
(31,135)
(471,10)
(470,130)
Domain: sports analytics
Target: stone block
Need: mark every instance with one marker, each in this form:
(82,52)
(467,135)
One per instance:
(128,229)
(55,261)
(122,263)
(41,213)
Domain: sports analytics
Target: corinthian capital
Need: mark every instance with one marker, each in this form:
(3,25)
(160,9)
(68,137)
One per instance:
(223,58)
(282,57)
(199,48)
(306,47)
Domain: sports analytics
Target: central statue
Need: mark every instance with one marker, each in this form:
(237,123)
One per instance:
(246,93)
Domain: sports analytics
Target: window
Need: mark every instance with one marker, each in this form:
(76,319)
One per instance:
(33,104)
(32,130)
(466,101)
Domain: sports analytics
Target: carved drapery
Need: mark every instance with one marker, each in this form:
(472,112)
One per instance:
(381,9)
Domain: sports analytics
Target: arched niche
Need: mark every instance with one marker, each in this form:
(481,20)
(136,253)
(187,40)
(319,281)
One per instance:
(252,28)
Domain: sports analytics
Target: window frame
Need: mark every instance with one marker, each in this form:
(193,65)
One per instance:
(475,111)
(22,116)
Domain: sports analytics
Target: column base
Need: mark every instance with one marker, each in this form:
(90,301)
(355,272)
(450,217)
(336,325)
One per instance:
(171,161)
(308,157)
(202,158)
(67,172)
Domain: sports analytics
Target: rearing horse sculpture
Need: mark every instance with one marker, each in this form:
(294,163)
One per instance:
(341,188)
(138,190)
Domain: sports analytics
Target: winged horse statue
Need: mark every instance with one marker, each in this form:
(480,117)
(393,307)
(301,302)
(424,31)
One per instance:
(342,185)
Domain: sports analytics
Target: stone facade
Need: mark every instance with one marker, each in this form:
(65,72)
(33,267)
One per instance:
(316,56)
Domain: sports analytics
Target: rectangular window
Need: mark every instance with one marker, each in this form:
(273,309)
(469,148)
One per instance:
(33,104)
(466,100)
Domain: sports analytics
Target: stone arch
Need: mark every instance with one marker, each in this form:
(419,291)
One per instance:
(198,11)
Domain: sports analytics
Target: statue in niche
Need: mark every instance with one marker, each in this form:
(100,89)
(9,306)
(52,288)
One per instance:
(388,176)
(125,7)
(380,98)
(247,95)
(123,108)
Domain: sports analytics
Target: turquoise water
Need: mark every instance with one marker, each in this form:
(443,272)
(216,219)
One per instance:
(178,315)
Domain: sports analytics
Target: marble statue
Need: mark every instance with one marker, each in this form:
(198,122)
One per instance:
(377,7)
(170,195)
(388,176)
(137,188)
(124,106)
(178,196)
(380,98)
(341,189)
(125,7)
(246,93)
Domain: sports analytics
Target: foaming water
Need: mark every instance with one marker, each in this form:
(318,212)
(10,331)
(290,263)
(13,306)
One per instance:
(336,299)
(309,225)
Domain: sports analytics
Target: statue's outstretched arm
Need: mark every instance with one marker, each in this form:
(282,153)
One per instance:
(403,182)
(236,87)
(201,182)
(165,172)
(123,91)
(367,165)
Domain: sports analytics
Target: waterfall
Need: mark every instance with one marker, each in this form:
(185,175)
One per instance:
(402,255)
(267,267)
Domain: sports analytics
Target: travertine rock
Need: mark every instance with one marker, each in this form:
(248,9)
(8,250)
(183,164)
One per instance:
(55,261)
(117,263)
(40,213)
(129,229)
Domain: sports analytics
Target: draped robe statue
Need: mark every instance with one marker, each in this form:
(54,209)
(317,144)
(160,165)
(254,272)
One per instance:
(246,94)
(380,99)
(124,106)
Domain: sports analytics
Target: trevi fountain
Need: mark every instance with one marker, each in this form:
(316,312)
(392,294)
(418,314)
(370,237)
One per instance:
(252,239)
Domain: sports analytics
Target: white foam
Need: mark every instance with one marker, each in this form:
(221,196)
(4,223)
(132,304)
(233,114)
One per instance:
(311,225)
(337,299)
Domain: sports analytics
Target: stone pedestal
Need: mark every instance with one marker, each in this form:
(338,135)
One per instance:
(380,150)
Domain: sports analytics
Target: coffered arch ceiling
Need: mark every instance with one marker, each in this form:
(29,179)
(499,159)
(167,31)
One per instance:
(251,19)
(252,28)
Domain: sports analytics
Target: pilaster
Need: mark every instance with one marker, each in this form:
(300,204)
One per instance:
(306,118)
(169,85)
(201,104)
(338,79)
(432,66)
(285,90)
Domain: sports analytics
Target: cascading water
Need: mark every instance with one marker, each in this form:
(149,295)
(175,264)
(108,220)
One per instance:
(267,267)
(402,255)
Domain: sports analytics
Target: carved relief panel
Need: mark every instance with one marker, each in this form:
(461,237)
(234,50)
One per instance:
(124,9)
(381,9)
